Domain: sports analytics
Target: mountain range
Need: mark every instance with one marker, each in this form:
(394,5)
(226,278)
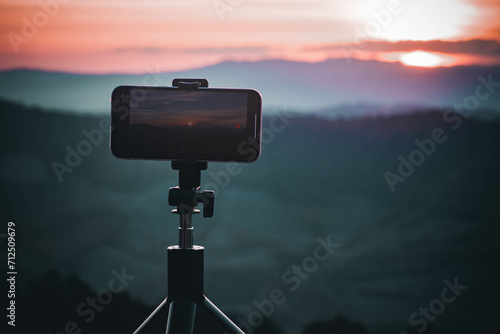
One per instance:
(335,87)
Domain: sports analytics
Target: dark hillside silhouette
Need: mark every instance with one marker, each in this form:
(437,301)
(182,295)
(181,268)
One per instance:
(316,178)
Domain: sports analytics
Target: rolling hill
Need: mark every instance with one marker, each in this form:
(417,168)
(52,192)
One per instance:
(317,178)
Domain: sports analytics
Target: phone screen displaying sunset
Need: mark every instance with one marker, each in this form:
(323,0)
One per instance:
(202,109)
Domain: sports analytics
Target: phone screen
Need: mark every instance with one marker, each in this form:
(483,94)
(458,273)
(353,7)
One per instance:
(165,123)
(193,111)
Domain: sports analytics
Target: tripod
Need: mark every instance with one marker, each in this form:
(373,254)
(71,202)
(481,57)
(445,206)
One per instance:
(185,261)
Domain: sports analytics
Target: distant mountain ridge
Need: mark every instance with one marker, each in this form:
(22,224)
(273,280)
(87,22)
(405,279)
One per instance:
(305,87)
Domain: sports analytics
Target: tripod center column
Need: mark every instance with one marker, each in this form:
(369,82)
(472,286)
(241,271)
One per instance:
(185,231)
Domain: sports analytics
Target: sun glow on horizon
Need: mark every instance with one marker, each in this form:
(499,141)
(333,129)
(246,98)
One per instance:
(422,59)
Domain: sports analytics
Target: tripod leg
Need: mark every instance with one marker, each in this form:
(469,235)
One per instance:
(151,316)
(220,317)
(181,317)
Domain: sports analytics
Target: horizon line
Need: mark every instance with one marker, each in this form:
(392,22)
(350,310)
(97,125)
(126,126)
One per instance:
(91,73)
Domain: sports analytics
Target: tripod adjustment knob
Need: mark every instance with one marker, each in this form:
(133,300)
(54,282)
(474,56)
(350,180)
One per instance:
(207,197)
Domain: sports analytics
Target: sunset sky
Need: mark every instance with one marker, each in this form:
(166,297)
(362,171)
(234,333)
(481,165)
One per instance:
(125,36)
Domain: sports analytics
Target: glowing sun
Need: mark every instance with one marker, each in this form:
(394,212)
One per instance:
(421,59)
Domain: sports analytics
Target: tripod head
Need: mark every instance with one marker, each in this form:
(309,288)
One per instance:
(186,197)
(187,194)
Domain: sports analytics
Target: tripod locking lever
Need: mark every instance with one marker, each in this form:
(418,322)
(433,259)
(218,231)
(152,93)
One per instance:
(187,199)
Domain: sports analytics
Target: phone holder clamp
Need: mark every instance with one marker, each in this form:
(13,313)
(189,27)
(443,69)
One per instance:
(189,83)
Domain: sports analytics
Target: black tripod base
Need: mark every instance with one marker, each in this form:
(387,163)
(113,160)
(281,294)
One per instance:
(182,312)
(185,288)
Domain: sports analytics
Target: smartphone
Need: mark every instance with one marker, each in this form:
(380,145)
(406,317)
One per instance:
(169,123)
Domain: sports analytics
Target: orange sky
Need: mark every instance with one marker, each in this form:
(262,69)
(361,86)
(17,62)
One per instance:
(124,36)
